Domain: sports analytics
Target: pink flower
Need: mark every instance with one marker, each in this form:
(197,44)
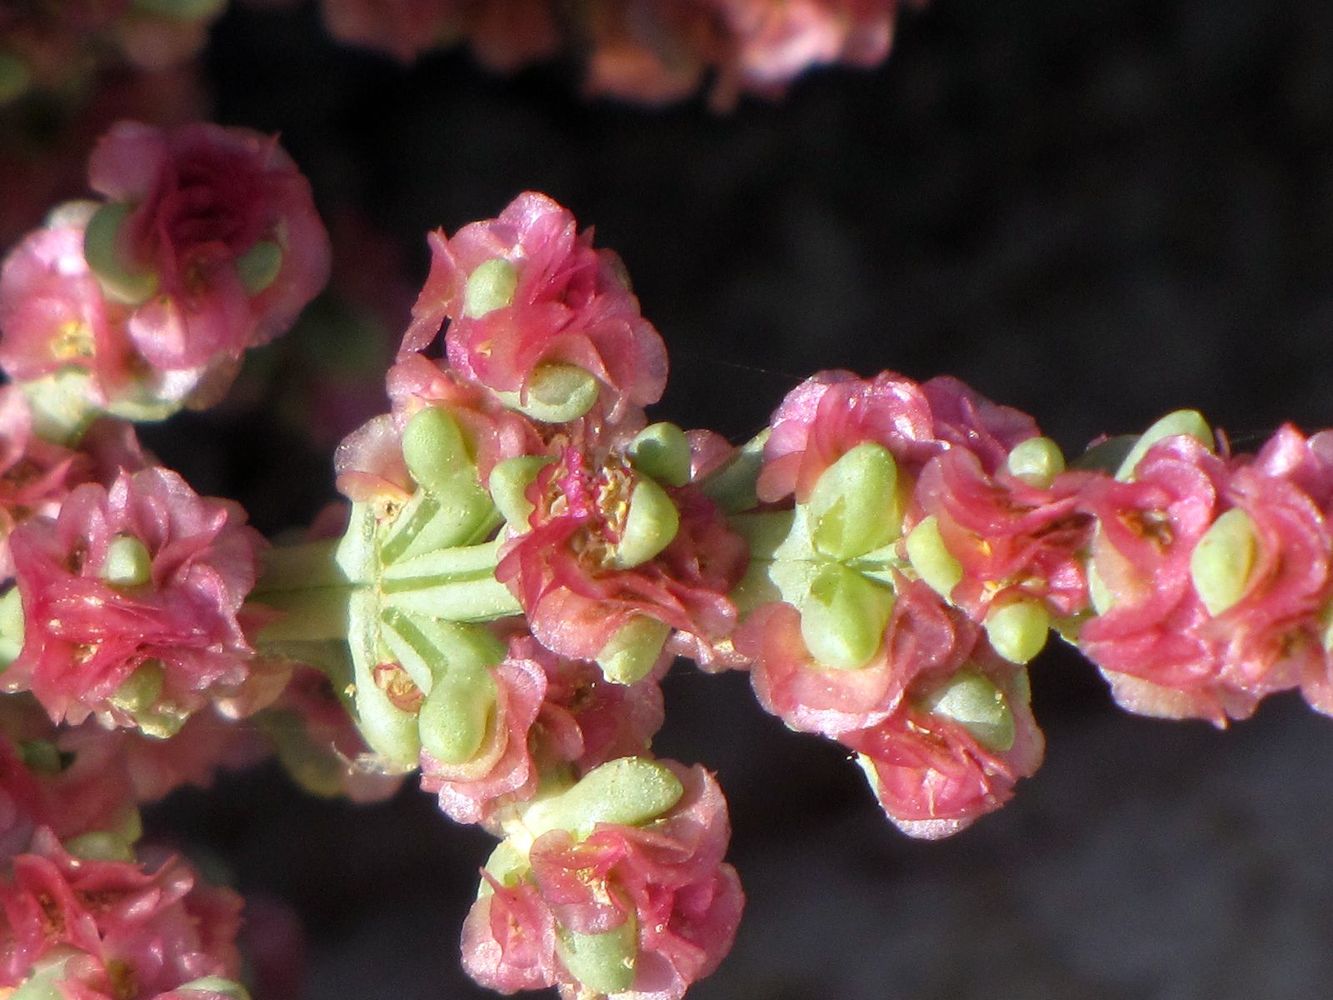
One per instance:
(53,314)
(547,298)
(145,574)
(931,774)
(1011,539)
(565,574)
(403,28)
(923,635)
(668,876)
(222,231)
(127,931)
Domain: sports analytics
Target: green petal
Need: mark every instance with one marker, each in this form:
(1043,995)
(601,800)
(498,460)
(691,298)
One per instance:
(854,507)
(1223,559)
(630,791)
(650,525)
(1018,630)
(1036,461)
(259,266)
(630,653)
(490,286)
(104,248)
(556,394)
(602,963)
(843,618)
(663,452)
(979,706)
(128,562)
(1188,422)
(931,558)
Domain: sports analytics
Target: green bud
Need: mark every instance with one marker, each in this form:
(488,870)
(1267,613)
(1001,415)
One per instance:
(141,689)
(1018,630)
(458,712)
(650,525)
(931,558)
(44,982)
(1036,461)
(556,394)
(843,618)
(602,963)
(128,563)
(1222,560)
(123,280)
(434,449)
(509,484)
(490,286)
(1178,422)
(630,653)
(259,266)
(11,627)
(507,865)
(630,791)
(979,706)
(100,845)
(1101,596)
(663,452)
(14,78)
(854,507)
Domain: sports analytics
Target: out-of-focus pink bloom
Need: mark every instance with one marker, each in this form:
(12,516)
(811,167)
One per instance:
(564,573)
(185,565)
(403,28)
(318,742)
(127,931)
(506,36)
(1011,539)
(923,635)
(35,475)
(52,311)
(224,223)
(568,304)
(651,51)
(668,876)
(932,776)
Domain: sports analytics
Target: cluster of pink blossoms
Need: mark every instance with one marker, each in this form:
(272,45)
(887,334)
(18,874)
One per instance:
(206,243)
(523,555)
(641,50)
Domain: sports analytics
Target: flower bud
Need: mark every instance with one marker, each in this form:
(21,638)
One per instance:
(556,394)
(1222,559)
(602,963)
(1036,461)
(931,558)
(843,618)
(854,507)
(630,791)
(123,280)
(1018,630)
(650,525)
(490,286)
(979,706)
(100,845)
(509,482)
(128,562)
(663,452)
(631,652)
(259,266)
(1189,422)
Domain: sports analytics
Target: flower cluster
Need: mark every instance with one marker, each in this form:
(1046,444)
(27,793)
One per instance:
(642,50)
(207,243)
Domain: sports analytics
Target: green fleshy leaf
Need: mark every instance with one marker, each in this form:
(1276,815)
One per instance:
(663,452)
(650,525)
(1018,630)
(931,558)
(630,653)
(1223,559)
(434,449)
(855,507)
(1036,461)
(602,963)
(122,279)
(631,791)
(556,394)
(1189,422)
(259,266)
(843,618)
(509,482)
(490,286)
(977,704)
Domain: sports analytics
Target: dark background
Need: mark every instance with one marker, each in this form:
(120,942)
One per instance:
(1095,212)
